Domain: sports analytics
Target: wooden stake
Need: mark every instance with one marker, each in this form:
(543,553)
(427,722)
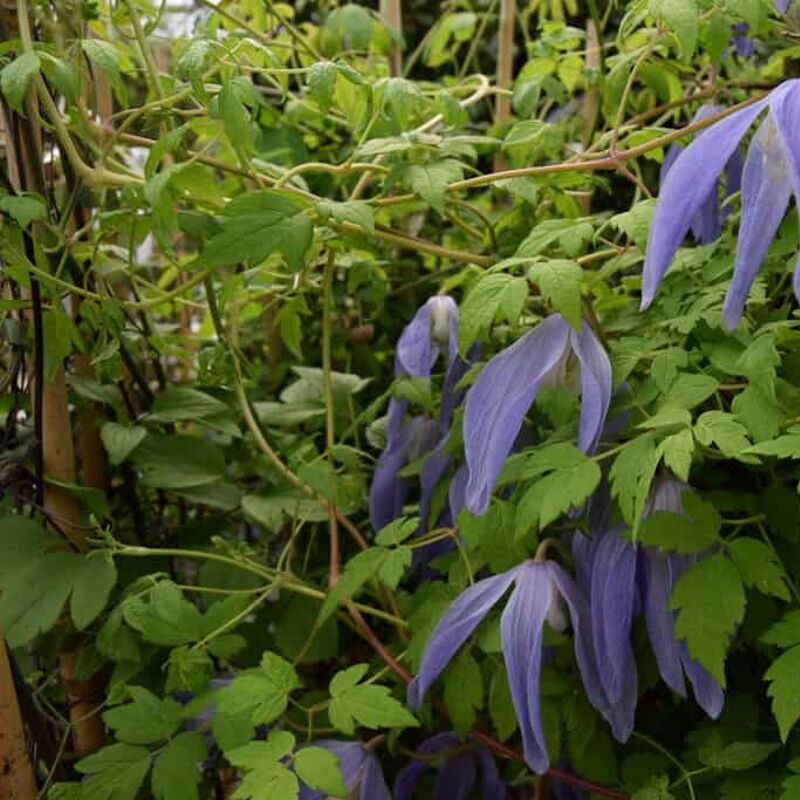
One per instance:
(505,68)
(392,14)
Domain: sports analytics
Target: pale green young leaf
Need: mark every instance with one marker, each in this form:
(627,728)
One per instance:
(114,773)
(486,297)
(678,450)
(631,475)
(321,81)
(356,212)
(759,566)
(16,77)
(722,429)
(165,617)
(145,719)
(463,692)
(682,17)
(265,777)
(430,180)
(694,531)
(559,282)
(103,55)
(357,572)
(23,208)
(501,706)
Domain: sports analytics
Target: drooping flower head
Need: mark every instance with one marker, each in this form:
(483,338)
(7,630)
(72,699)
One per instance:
(498,401)
(456,774)
(744,45)
(361,772)
(625,581)
(706,224)
(543,592)
(771,175)
(432,330)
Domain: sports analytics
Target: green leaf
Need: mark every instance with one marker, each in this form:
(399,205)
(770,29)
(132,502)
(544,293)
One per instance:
(571,234)
(785,633)
(567,486)
(559,282)
(180,403)
(430,181)
(318,768)
(678,450)
(234,112)
(717,427)
(176,773)
(631,475)
(369,705)
(92,583)
(491,293)
(356,212)
(744,755)
(23,208)
(114,773)
(694,531)
(710,601)
(787,446)
(165,617)
(121,440)
(22,541)
(178,461)
(321,80)
(357,572)
(256,224)
(463,692)
(682,17)
(782,675)
(501,706)
(146,719)
(263,692)
(397,531)
(265,777)
(103,55)
(759,567)
(689,390)
(16,77)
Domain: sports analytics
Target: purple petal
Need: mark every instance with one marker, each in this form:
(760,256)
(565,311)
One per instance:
(707,692)
(782,5)
(454,628)
(658,582)
(373,784)
(620,716)
(613,585)
(431,473)
(409,775)
(686,187)
(416,351)
(456,778)
(388,491)
(498,401)
(492,785)
(766,188)
(785,108)
(595,386)
(582,549)
(457,494)
(521,628)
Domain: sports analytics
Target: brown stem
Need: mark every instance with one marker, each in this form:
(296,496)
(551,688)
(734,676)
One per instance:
(17,779)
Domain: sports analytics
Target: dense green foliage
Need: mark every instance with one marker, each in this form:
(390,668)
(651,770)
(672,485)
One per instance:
(222,267)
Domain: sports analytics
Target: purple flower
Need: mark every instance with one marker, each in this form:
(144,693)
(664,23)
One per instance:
(626,581)
(361,772)
(543,592)
(457,773)
(782,5)
(771,175)
(433,329)
(744,45)
(706,224)
(498,401)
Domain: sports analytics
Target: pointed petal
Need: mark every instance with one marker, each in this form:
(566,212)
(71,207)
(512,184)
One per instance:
(388,491)
(498,401)
(582,549)
(373,784)
(457,494)
(416,350)
(782,5)
(407,779)
(658,582)
(454,628)
(687,185)
(595,386)
(431,473)
(612,599)
(521,629)
(785,109)
(621,715)
(707,692)
(766,188)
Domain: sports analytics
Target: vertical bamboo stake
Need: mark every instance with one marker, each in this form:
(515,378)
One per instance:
(17,780)
(392,14)
(505,67)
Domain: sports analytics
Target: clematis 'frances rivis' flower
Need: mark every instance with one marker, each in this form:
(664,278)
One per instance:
(361,772)
(457,773)
(783,5)
(771,175)
(706,224)
(498,401)
(543,592)
(627,580)
(432,330)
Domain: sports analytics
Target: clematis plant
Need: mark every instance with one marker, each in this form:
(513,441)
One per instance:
(457,772)
(496,404)
(771,175)
(361,772)
(542,592)
(626,580)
